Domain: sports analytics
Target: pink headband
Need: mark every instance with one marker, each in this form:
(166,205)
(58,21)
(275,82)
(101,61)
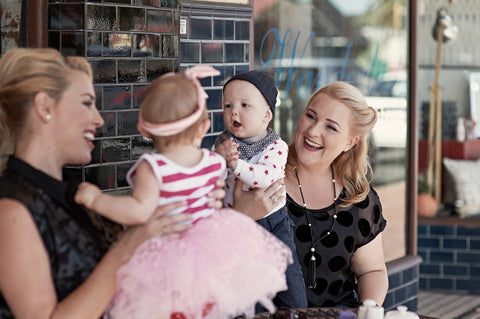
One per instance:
(172,128)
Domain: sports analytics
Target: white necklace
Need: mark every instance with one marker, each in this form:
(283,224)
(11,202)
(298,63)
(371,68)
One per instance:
(311,283)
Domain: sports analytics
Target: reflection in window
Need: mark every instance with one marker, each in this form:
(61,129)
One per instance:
(305,44)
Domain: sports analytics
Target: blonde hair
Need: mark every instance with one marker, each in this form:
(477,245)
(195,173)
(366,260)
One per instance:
(168,99)
(24,73)
(353,166)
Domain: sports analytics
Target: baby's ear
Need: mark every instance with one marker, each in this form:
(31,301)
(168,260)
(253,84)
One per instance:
(268,115)
(204,127)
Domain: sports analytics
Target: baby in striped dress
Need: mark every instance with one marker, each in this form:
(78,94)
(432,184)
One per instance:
(221,266)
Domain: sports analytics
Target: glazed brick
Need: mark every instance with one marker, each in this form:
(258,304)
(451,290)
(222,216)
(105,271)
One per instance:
(214,101)
(127,123)
(455,270)
(116,150)
(101,17)
(54,40)
(441,230)
(97,152)
(423,283)
(160,21)
(223,29)
(441,256)
(94,44)
(72,44)
(131,71)
(109,128)
(112,47)
(242,30)
(146,45)
(169,46)
(131,19)
(475,271)
(423,230)
(389,301)
(212,52)
(468,231)
(438,283)
(122,170)
(138,91)
(217,122)
(54,17)
(395,280)
(200,29)
(103,176)
(428,242)
(190,52)
(234,52)
(474,244)
(454,243)
(155,68)
(71,16)
(470,285)
(429,269)
(104,71)
(401,294)
(241,68)
(410,274)
(468,257)
(117,97)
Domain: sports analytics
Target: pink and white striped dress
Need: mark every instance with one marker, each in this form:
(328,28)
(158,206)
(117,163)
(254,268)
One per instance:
(219,268)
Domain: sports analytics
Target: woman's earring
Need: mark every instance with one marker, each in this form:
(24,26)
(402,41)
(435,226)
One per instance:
(48,117)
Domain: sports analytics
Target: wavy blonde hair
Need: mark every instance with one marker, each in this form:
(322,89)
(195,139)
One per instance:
(26,72)
(353,166)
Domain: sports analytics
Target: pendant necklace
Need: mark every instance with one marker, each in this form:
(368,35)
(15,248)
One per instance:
(311,283)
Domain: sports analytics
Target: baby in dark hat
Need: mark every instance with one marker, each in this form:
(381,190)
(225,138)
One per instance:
(257,156)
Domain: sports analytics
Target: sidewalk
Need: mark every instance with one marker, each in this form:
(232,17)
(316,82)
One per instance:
(444,305)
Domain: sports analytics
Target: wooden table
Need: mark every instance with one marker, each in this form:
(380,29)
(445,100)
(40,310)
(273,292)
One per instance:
(312,313)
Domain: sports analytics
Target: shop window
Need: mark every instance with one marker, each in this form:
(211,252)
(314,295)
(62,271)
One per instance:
(307,44)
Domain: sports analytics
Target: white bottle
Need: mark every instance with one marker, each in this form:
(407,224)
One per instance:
(362,312)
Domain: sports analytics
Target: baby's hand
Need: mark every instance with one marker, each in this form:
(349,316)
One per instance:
(86,194)
(229,150)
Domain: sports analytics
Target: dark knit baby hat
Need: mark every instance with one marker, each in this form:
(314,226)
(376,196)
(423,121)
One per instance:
(263,82)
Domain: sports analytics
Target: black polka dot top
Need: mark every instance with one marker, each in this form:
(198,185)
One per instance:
(356,226)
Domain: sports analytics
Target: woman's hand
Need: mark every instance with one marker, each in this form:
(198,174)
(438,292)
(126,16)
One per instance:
(258,202)
(161,225)
(217,195)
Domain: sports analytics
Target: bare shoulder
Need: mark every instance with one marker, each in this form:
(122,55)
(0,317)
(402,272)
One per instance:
(13,215)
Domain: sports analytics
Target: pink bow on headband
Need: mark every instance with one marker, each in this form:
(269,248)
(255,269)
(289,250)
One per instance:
(172,128)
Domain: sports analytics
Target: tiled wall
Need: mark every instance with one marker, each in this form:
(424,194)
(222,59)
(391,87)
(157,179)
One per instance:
(403,283)
(218,36)
(451,257)
(129,43)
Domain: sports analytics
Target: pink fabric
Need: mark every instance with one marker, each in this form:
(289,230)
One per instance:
(218,269)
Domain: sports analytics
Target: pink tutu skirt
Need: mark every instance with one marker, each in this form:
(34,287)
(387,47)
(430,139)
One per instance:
(219,268)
